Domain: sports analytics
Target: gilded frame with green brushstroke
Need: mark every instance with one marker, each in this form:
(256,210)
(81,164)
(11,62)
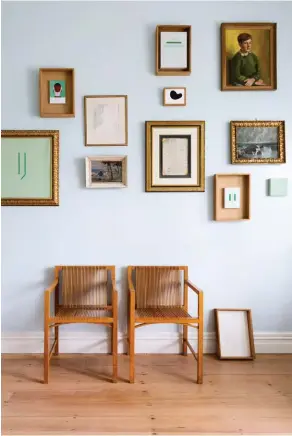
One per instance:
(30,168)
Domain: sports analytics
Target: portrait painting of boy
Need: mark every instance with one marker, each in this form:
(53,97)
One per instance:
(248,53)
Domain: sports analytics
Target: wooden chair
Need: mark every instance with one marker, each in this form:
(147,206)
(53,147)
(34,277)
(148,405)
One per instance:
(160,295)
(80,296)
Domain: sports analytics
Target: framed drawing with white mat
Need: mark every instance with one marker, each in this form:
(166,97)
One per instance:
(234,333)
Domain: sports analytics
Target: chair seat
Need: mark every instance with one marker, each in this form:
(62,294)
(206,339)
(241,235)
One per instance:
(162,312)
(64,313)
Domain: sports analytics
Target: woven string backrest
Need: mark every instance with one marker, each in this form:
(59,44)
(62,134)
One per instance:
(158,286)
(84,286)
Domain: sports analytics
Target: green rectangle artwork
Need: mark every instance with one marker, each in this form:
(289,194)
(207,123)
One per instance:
(26,167)
(57,91)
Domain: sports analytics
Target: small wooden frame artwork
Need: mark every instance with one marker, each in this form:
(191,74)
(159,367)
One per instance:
(223,213)
(175,96)
(57,99)
(173,50)
(234,334)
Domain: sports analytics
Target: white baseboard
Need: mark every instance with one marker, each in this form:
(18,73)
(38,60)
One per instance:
(162,343)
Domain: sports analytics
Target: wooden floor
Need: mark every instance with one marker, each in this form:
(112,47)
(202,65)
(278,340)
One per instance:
(236,397)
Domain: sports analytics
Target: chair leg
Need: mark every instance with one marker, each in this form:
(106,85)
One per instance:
(185,338)
(115,350)
(200,353)
(56,351)
(132,351)
(46,354)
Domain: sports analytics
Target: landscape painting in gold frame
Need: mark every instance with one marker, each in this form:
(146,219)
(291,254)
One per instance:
(175,156)
(258,142)
(248,57)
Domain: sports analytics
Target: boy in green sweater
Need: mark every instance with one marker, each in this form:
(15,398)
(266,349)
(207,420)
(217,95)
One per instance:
(245,68)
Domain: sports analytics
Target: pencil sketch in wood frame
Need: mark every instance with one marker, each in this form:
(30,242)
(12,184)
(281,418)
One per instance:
(30,168)
(248,57)
(259,142)
(106,172)
(174,96)
(175,156)
(173,50)
(106,120)
(234,334)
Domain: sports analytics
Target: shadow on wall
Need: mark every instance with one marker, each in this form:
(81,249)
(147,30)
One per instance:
(33,92)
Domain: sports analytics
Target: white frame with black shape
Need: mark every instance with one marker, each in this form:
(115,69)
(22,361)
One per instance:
(175,100)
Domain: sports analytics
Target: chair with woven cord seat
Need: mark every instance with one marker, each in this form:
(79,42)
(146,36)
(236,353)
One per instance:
(159,295)
(81,295)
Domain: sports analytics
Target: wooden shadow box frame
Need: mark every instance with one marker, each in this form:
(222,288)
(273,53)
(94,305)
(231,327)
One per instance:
(173,71)
(49,110)
(219,336)
(222,181)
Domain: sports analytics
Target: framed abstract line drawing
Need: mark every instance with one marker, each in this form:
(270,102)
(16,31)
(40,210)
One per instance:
(248,56)
(234,333)
(173,50)
(106,120)
(106,172)
(30,167)
(175,156)
(259,142)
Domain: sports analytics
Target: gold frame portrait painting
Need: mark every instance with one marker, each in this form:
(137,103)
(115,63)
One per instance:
(248,57)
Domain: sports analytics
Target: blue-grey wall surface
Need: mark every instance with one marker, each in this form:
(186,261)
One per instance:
(112,48)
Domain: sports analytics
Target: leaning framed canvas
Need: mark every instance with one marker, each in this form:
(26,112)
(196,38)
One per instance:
(30,167)
(248,56)
(106,172)
(261,142)
(106,120)
(175,156)
(234,334)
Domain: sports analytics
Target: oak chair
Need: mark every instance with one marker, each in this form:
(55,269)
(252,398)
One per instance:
(81,295)
(159,294)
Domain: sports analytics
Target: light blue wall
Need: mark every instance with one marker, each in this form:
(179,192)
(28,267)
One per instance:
(112,48)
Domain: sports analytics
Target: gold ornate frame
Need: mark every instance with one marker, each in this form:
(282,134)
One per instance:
(281,142)
(200,187)
(54,199)
(272,27)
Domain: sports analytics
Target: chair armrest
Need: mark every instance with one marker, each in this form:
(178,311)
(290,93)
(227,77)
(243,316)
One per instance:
(52,287)
(193,287)
(47,296)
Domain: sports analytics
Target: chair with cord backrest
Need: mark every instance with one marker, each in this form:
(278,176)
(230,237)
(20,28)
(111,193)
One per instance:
(82,294)
(159,294)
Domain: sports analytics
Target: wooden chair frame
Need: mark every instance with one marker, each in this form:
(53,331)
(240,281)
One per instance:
(51,321)
(197,322)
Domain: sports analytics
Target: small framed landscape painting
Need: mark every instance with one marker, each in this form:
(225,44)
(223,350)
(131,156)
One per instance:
(106,172)
(248,56)
(30,168)
(175,156)
(258,142)
(174,96)
(106,120)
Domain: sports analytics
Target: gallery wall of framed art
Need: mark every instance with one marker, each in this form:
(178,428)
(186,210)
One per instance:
(158,63)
